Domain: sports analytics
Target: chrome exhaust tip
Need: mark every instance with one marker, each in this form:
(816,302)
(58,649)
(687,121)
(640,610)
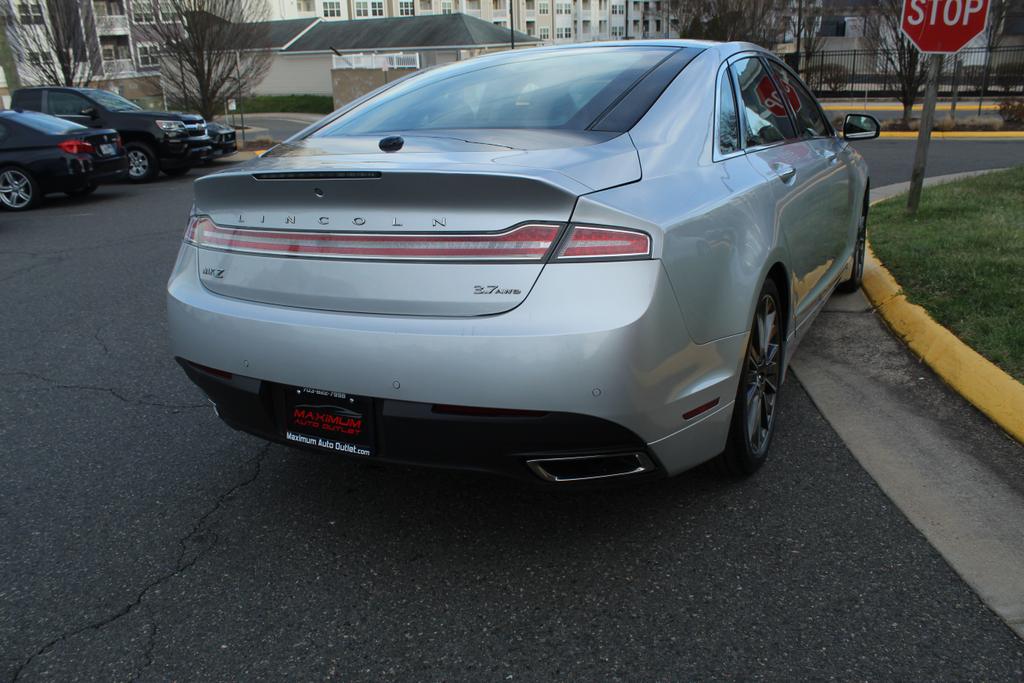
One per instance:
(591,467)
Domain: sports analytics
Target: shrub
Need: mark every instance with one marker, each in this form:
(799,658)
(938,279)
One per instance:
(831,77)
(300,104)
(1012,111)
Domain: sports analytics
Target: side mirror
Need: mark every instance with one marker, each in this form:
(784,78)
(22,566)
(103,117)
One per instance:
(861,127)
(89,111)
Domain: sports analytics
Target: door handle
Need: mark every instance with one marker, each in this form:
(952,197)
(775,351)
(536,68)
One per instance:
(830,156)
(785,172)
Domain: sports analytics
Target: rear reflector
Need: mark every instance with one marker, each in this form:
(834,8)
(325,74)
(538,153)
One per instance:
(586,241)
(76,146)
(211,371)
(690,414)
(524,243)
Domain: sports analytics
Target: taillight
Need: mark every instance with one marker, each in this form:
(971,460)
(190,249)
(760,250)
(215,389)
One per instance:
(76,146)
(120,143)
(529,242)
(593,242)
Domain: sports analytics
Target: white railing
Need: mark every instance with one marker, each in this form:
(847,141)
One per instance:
(113,67)
(361,60)
(114,23)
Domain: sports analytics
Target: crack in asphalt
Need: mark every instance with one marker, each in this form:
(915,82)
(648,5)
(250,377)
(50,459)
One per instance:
(113,392)
(96,336)
(182,564)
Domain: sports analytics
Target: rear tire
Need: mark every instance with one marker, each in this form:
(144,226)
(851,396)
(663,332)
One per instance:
(177,171)
(19,191)
(859,254)
(756,407)
(142,162)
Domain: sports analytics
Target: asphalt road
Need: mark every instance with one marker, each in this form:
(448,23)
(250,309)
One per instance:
(142,539)
(891,160)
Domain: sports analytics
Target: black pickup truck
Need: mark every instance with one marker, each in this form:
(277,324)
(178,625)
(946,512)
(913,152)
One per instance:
(155,140)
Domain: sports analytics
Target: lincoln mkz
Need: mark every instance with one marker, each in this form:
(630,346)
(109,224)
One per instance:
(578,263)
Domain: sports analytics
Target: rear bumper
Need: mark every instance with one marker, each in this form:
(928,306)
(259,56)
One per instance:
(601,346)
(415,434)
(74,172)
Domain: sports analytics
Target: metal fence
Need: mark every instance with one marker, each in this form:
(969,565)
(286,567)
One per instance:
(868,73)
(366,60)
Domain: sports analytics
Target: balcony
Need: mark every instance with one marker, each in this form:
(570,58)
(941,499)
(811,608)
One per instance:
(473,12)
(112,25)
(117,67)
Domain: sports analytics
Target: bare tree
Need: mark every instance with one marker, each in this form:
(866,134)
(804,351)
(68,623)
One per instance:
(210,50)
(805,25)
(756,21)
(904,67)
(49,41)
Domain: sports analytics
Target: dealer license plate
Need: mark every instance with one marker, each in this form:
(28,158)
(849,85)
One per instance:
(329,420)
(107,149)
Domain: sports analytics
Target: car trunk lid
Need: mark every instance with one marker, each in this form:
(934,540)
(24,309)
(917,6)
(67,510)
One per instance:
(452,225)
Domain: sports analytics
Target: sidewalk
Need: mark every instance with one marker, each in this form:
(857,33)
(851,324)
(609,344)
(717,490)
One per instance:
(954,474)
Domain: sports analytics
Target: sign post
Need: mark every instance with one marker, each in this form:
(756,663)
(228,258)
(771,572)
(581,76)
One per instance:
(936,28)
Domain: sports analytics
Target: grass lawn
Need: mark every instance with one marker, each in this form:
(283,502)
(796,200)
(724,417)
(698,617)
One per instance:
(962,258)
(305,104)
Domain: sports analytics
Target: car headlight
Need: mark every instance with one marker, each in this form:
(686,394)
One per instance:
(171,126)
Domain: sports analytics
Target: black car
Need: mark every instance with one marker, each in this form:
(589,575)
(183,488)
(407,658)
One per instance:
(40,154)
(156,140)
(223,139)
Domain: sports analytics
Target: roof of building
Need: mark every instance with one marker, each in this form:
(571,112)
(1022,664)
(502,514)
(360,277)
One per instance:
(283,31)
(429,31)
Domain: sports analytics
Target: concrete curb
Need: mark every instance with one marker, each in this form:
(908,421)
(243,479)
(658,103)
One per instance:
(991,390)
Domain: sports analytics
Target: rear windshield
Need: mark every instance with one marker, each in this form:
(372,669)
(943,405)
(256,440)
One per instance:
(564,89)
(44,123)
(112,101)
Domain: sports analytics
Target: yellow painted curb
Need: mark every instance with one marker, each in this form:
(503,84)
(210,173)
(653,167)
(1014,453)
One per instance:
(962,135)
(852,106)
(986,386)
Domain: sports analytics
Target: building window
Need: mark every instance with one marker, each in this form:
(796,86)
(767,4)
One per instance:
(30,13)
(143,12)
(426,5)
(167,11)
(543,8)
(563,8)
(362,8)
(38,58)
(498,4)
(446,6)
(148,55)
(406,8)
(545,33)
(563,32)
(618,9)
(377,8)
(306,5)
(332,9)
(618,31)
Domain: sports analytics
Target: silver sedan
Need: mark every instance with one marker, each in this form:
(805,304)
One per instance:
(568,264)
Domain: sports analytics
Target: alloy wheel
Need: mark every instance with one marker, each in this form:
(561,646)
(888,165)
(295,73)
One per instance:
(138,163)
(15,189)
(763,374)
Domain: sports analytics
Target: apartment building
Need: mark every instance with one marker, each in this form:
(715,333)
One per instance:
(125,58)
(552,21)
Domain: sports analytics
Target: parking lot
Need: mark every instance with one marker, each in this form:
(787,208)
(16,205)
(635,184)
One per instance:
(143,539)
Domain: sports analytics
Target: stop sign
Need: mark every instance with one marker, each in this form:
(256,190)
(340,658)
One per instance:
(943,26)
